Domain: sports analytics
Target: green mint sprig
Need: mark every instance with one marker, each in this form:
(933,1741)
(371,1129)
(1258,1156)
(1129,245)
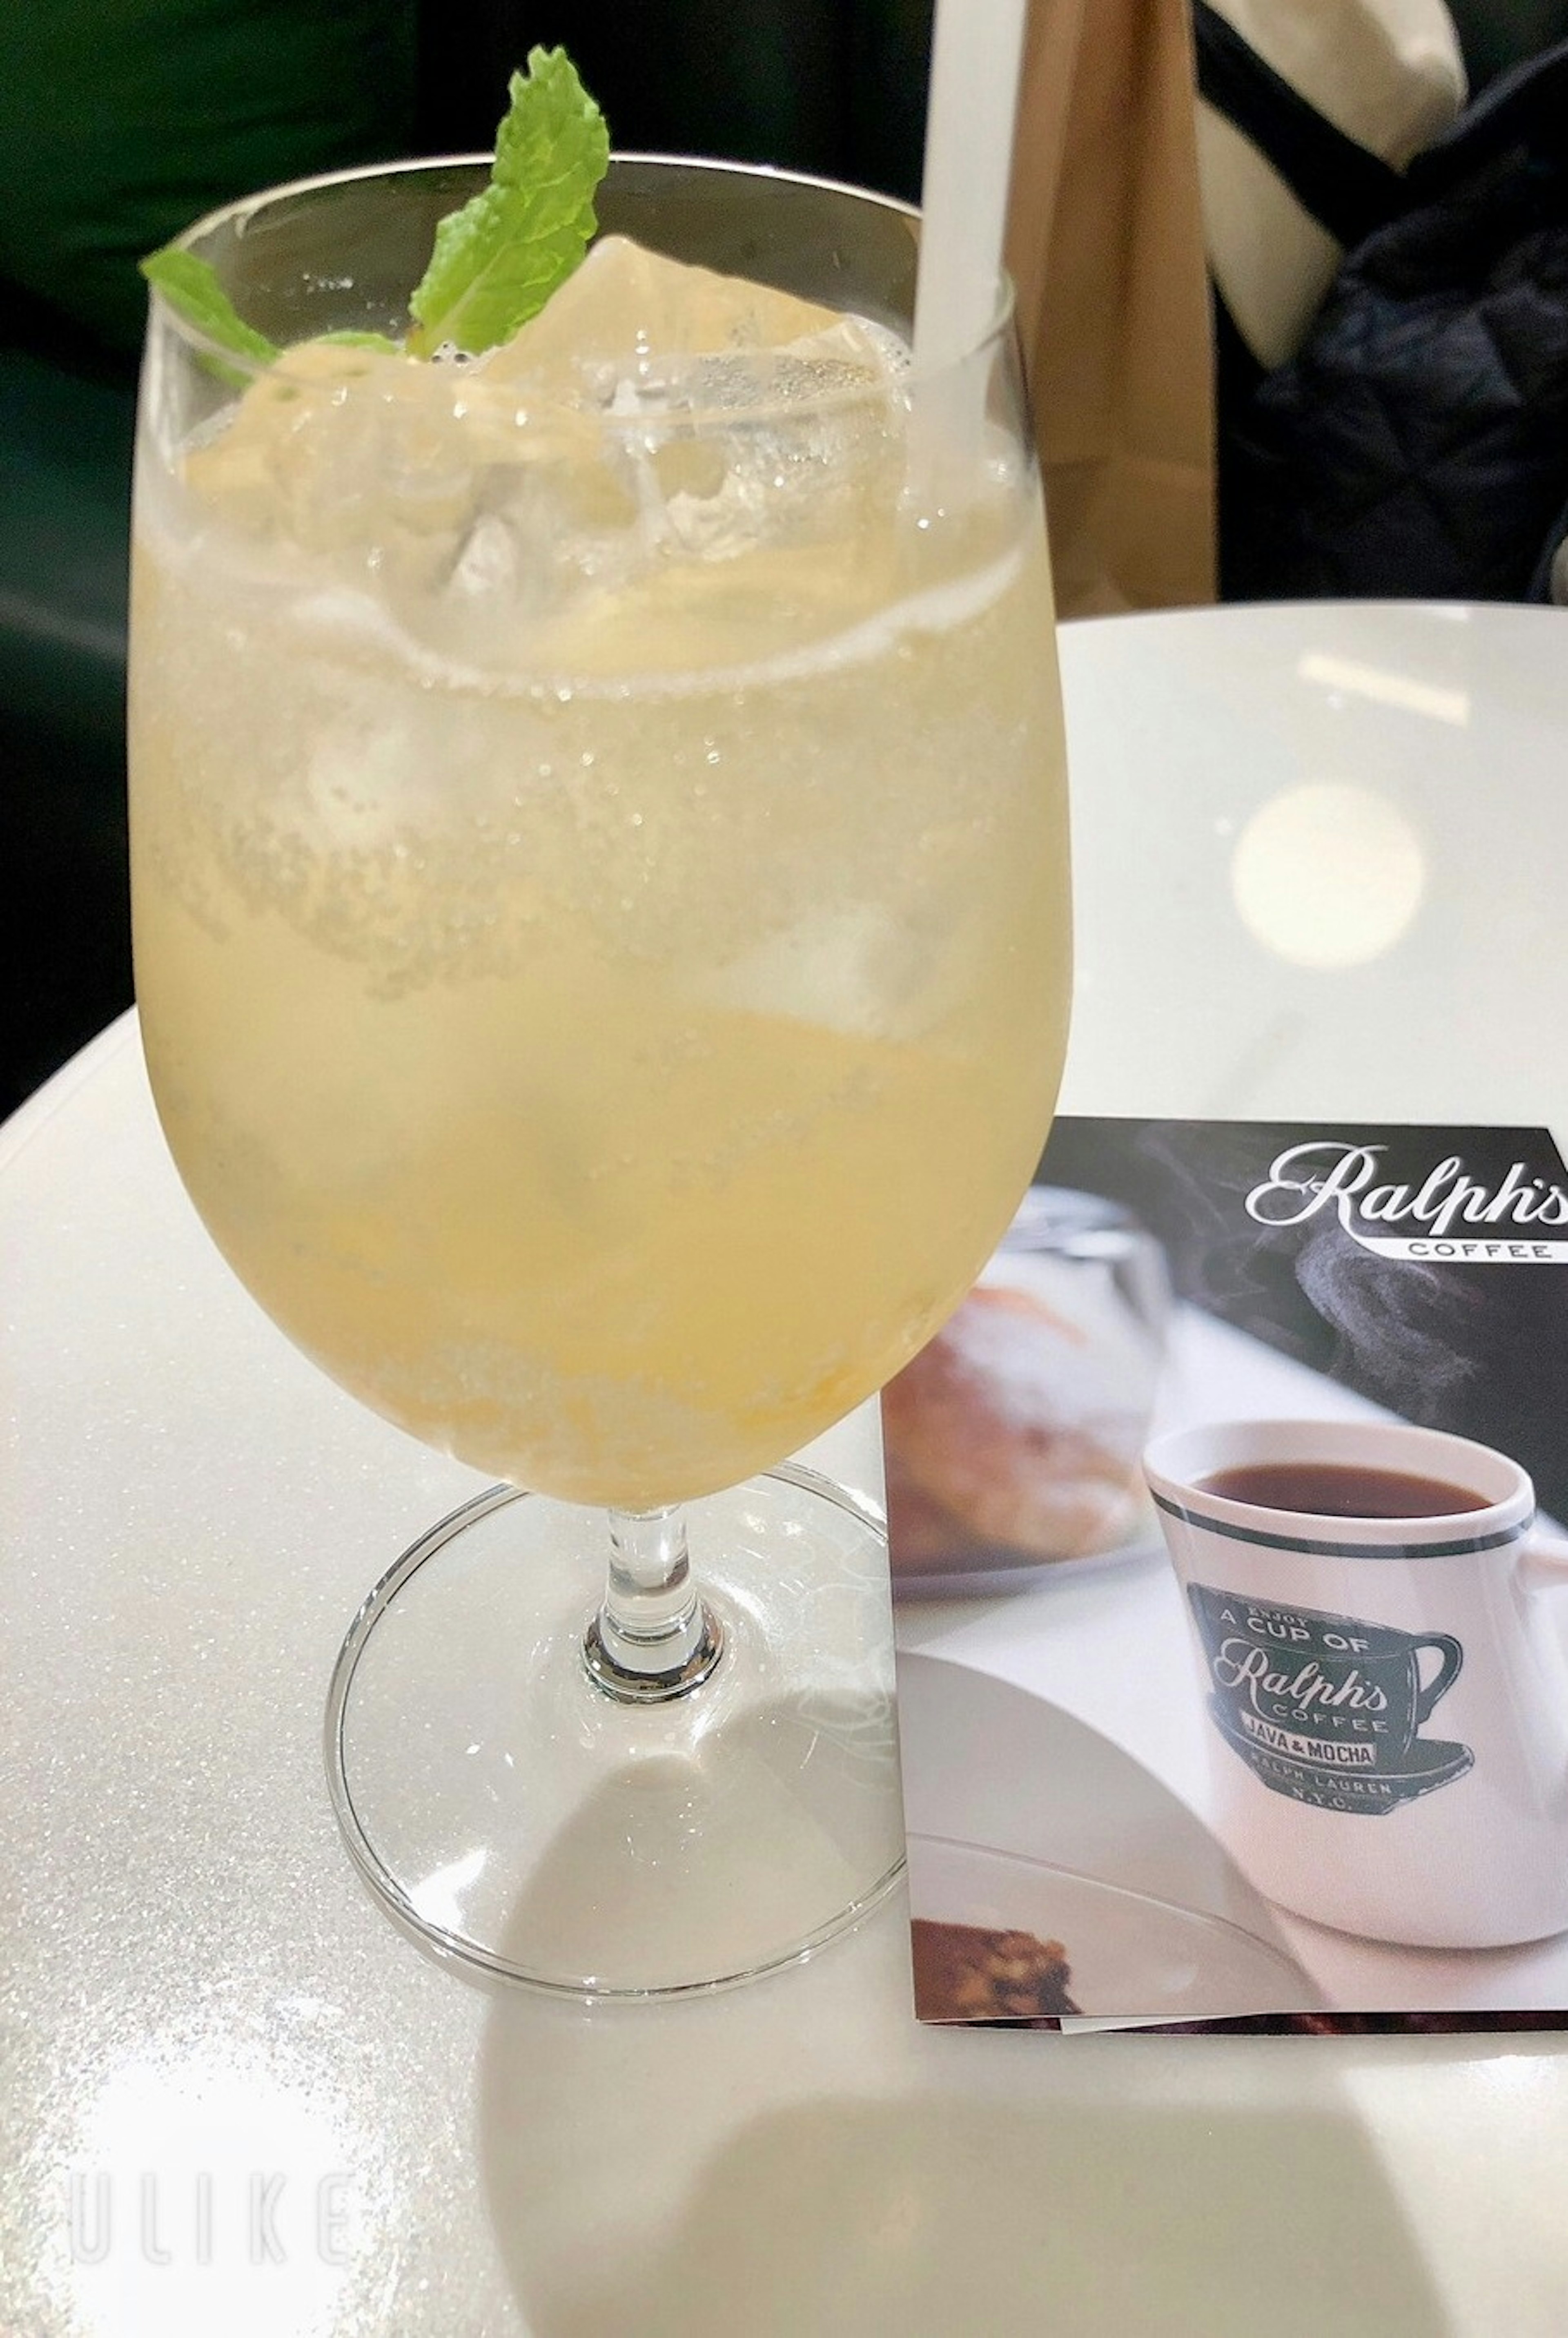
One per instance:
(349,339)
(498,260)
(192,288)
(495,262)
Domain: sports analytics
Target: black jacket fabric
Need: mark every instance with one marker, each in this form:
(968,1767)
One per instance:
(1417,443)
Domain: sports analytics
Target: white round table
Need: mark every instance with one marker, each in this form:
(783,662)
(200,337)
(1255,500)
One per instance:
(1317,851)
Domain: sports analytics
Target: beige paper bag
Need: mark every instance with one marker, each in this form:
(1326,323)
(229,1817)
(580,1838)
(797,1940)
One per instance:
(1105,244)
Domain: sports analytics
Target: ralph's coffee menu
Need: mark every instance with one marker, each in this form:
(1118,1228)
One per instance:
(1223,1519)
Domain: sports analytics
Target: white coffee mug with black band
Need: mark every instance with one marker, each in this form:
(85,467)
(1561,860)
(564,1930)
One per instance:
(1388,1698)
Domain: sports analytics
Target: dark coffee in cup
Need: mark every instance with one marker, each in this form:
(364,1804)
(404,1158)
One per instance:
(1340,1489)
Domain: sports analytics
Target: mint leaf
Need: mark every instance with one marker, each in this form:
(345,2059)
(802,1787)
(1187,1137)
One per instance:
(349,339)
(192,288)
(497,262)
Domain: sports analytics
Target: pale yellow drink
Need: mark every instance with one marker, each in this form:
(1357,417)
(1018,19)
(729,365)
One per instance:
(607,1031)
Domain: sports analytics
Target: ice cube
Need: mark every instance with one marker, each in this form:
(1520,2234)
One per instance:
(626,314)
(544,534)
(635,336)
(487,563)
(476,500)
(738,418)
(363,456)
(409,478)
(896,969)
(823,969)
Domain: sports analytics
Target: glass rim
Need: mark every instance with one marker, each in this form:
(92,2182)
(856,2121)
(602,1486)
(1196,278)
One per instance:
(246,207)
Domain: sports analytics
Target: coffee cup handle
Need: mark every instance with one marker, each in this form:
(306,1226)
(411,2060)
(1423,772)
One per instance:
(1448,1672)
(1543,1562)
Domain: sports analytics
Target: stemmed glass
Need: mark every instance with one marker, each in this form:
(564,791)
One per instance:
(600,914)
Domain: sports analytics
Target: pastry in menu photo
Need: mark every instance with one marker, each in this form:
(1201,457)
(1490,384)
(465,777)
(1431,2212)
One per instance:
(1013,1439)
(967,1972)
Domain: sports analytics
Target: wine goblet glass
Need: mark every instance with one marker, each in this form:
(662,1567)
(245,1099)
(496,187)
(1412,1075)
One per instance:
(601,936)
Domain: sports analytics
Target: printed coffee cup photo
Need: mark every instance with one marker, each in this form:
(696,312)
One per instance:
(1372,1644)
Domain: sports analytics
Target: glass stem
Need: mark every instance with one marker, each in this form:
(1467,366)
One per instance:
(652,1639)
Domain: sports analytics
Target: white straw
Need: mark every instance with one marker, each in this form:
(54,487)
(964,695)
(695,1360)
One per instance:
(976,51)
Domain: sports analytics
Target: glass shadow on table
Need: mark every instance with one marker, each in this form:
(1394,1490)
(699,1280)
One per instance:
(799,2156)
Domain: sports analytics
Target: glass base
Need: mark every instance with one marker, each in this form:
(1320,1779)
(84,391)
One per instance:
(520,1820)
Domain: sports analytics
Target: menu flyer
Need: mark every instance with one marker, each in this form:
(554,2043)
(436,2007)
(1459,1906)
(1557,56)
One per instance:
(1222,1518)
